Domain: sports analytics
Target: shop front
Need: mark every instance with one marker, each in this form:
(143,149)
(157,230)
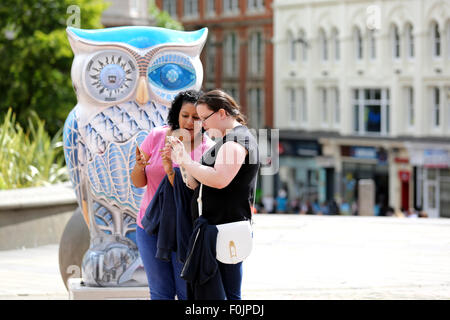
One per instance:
(432,179)
(299,174)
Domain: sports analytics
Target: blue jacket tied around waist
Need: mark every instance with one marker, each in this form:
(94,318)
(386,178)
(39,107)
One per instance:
(169,216)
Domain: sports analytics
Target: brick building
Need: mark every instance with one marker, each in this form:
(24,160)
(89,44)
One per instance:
(238,56)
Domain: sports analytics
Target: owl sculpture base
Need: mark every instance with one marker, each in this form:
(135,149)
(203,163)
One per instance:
(125,79)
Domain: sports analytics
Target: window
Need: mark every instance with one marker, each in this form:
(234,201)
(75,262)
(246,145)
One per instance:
(323,105)
(323,45)
(256,54)
(231,52)
(336,106)
(372,44)
(134,8)
(255,5)
(436,105)
(358,41)
(230,6)
(292,52)
(292,105)
(303,112)
(232,91)
(256,108)
(371,111)
(211,59)
(190,8)
(410,41)
(436,40)
(448,40)
(336,45)
(170,6)
(395,38)
(303,45)
(210,8)
(409,105)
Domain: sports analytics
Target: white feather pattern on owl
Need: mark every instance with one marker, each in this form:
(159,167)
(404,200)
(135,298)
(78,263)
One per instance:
(125,79)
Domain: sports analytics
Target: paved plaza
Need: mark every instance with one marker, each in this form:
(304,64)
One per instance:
(298,257)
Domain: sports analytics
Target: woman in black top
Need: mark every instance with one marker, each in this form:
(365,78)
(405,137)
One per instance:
(227,171)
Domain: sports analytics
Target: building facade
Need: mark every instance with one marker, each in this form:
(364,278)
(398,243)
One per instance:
(238,55)
(362,91)
(127,13)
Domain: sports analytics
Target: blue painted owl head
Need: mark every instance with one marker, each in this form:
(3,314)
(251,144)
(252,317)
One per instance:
(141,64)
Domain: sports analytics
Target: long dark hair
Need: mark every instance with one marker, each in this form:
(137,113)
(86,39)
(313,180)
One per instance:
(218,99)
(181,98)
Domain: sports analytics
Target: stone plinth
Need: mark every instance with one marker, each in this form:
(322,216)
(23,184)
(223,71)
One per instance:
(78,291)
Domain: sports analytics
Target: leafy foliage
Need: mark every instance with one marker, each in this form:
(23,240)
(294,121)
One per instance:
(35,57)
(29,158)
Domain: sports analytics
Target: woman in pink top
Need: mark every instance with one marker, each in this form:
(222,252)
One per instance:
(151,167)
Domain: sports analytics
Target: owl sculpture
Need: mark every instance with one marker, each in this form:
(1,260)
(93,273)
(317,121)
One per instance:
(125,79)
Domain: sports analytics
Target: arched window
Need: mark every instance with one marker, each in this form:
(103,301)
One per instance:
(448,39)
(410,41)
(372,43)
(323,45)
(336,44)
(395,40)
(358,43)
(291,47)
(303,45)
(435,40)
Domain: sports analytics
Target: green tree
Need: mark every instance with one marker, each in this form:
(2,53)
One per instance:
(163,19)
(36,58)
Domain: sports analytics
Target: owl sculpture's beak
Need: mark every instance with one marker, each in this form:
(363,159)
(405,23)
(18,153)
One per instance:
(142,95)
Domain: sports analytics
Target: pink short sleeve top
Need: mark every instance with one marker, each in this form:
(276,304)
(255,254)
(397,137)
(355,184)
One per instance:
(154,171)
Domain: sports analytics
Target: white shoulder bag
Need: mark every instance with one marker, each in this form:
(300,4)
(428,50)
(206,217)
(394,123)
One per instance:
(234,239)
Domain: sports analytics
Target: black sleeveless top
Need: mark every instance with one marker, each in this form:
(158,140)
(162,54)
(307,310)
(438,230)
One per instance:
(232,203)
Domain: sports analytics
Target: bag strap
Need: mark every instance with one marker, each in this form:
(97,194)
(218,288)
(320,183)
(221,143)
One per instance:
(199,200)
(200,203)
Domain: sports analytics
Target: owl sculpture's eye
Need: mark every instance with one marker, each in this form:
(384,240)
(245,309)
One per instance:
(111,76)
(169,73)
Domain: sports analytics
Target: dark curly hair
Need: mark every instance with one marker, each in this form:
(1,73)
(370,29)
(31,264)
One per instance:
(191,96)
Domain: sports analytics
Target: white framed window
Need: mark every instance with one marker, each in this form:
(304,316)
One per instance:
(448,39)
(171,7)
(436,107)
(371,111)
(134,7)
(231,54)
(395,42)
(256,107)
(323,45)
(323,103)
(410,50)
(336,44)
(409,106)
(256,54)
(230,7)
(372,42)
(335,100)
(292,49)
(447,98)
(292,105)
(255,5)
(210,8)
(435,40)
(303,111)
(358,44)
(303,46)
